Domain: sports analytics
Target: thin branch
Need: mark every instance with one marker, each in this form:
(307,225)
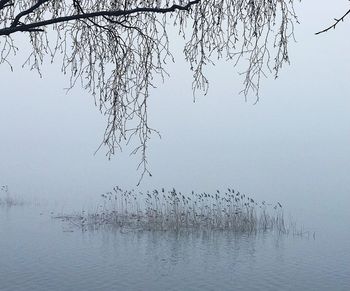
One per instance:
(335,23)
(26,12)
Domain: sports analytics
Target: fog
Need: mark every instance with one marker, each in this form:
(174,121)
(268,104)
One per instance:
(292,146)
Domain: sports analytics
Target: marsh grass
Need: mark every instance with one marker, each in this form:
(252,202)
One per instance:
(161,210)
(7,199)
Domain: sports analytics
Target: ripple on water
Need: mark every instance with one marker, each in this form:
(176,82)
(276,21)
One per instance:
(37,255)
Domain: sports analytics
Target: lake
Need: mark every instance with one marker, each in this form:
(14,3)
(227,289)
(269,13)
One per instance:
(291,147)
(41,253)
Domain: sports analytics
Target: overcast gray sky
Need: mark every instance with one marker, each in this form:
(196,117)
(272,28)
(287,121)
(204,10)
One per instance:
(294,144)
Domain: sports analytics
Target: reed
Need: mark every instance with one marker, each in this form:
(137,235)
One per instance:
(161,210)
(8,200)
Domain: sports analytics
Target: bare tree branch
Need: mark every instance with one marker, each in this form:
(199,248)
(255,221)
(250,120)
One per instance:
(335,23)
(118,49)
(29,27)
(26,12)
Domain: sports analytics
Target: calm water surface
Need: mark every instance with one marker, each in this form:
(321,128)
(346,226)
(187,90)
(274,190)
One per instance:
(39,253)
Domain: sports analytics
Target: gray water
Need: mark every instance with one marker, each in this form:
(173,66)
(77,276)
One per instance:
(41,253)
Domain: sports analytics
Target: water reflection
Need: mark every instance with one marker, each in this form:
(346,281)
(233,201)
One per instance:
(36,254)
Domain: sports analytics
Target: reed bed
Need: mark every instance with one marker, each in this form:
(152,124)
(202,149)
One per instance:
(161,210)
(8,200)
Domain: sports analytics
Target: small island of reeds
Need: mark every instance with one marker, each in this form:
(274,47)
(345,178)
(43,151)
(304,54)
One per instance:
(170,210)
